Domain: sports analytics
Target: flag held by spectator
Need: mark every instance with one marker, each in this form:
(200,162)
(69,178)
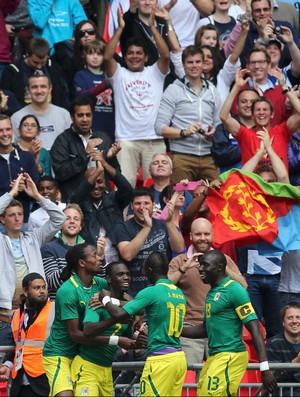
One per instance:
(249,210)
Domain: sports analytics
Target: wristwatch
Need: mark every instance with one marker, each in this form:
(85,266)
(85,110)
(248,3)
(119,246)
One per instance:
(183,133)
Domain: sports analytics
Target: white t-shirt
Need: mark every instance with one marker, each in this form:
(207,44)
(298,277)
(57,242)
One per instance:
(137,98)
(53,122)
(184,18)
(40,216)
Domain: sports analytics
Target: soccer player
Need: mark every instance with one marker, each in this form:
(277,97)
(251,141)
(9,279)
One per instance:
(92,367)
(66,333)
(165,306)
(227,308)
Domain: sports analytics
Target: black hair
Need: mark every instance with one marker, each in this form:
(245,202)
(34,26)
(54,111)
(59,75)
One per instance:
(48,178)
(215,257)
(218,62)
(27,116)
(142,191)
(81,100)
(133,41)
(110,266)
(73,256)
(158,262)
(166,193)
(252,89)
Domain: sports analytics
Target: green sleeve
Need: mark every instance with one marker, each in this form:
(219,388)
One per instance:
(241,302)
(91,316)
(143,299)
(69,304)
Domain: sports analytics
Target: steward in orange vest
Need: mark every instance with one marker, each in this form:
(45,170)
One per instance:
(31,325)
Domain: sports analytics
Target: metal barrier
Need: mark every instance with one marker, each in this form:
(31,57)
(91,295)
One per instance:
(189,389)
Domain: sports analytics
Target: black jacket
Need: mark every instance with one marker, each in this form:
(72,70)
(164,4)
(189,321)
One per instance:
(69,159)
(12,79)
(110,211)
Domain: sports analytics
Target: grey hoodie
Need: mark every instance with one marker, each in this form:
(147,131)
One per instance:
(31,243)
(180,107)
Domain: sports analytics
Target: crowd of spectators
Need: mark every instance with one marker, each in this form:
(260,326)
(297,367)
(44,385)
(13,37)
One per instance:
(95,135)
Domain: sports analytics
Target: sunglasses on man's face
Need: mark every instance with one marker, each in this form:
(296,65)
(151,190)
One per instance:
(90,32)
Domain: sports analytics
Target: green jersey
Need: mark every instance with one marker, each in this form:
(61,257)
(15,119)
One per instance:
(102,355)
(165,307)
(70,303)
(227,308)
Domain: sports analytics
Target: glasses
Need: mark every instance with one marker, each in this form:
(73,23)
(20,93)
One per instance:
(260,63)
(90,32)
(32,125)
(259,10)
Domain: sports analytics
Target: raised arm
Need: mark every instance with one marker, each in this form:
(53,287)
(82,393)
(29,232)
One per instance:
(163,61)
(293,122)
(109,61)
(175,237)
(230,123)
(129,249)
(239,46)
(287,36)
(205,7)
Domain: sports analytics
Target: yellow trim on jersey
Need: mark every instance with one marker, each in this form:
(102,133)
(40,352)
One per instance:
(228,282)
(245,310)
(171,286)
(73,281)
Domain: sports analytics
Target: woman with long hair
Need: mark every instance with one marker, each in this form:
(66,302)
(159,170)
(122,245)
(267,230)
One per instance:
(29,130)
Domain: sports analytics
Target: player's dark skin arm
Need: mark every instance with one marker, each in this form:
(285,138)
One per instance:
(268,379)
(78,336)
(93,329)
(118,313)
(198,331)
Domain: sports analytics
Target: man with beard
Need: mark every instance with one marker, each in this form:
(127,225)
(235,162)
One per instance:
(30,327)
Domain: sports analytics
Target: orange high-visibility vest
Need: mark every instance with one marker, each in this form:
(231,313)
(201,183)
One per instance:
(32,340)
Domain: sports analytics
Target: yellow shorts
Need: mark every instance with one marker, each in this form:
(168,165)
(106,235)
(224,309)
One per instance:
(91,379)
(58,371)
(222,374)
(163,375)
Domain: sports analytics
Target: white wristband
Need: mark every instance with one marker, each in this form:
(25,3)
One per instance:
(115,301)
(113,340)
(264,366)
(105,300)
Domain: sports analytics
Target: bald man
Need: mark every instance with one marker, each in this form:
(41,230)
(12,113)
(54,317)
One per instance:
(102,210)
(183,271)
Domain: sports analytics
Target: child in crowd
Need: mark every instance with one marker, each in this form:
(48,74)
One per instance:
(221,19)
(91,76)
(207,35)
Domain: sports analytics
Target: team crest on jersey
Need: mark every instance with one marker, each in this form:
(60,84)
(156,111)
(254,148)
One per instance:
(217,296)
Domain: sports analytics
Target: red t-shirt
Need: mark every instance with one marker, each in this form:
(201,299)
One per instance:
(250,143)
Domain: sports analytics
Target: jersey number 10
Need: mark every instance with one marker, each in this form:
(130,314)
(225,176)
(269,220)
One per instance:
(177,314)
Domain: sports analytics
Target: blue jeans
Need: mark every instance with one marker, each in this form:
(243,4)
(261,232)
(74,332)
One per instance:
(264,295)
(6,339)
(287,297)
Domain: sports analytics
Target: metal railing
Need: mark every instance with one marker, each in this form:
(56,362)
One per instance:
(189,389)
